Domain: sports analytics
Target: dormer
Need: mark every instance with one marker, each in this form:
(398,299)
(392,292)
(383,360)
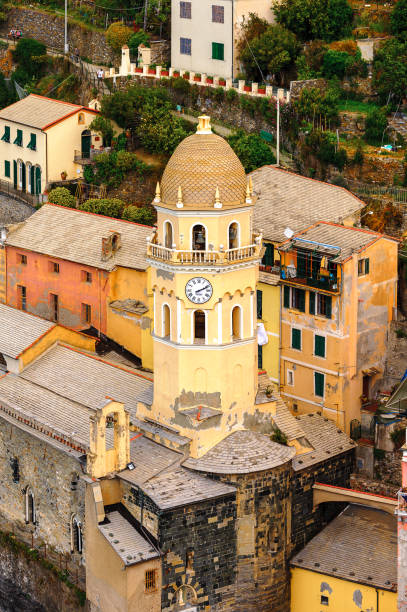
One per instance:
(110,245)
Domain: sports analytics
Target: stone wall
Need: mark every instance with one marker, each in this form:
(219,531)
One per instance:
(352,124)
(49,29)
(361,483)
(306,523)
(296,87)
(48,472)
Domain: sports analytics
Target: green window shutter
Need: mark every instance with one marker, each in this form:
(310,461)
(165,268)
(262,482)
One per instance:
(286,296)
(328,307)
(259,296)
(268,257)
(301,300)
(217,51)
(260,357)
(367,266)
(319,346)
(312,302)
(19,138)
(319,383)
(7,168)
(6,135)
(33,142)
(296,339)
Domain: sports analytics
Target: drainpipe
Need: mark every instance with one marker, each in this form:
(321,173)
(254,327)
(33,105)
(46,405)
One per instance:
(377,600)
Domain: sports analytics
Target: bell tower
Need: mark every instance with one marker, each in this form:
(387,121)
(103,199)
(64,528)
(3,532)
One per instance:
(204,267)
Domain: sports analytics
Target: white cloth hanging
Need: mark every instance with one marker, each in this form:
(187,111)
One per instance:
(262,337)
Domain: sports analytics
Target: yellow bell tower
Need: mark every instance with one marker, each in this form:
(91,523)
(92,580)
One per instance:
(204,266)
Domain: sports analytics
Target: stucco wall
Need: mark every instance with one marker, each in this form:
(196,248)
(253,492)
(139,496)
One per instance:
(10,152)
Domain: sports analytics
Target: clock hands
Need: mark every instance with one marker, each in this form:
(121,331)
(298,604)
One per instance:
(202,289)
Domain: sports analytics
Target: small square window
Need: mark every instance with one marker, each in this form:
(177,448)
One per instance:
(290,378)
(218,14)
(151,581)
(218,51)
(22,259)
(54,267)
(324,600)
(86,277)
(295,407)
(363,266)
(185,10)
(185,46)
(296,339)
(86,313)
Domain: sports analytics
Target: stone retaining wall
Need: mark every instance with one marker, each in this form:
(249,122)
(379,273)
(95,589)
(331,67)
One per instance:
(49,29)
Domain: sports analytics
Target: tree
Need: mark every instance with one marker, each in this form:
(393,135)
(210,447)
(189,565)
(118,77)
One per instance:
(390,70)
(398,20)
(159,130)
(143,215)
(111,168)
(335,63)
(118,35)
(7,92)
(250,29)
(104,127)
(314,103)
(61,196)
(110,207)
(138,38)
(375,125)
(126,107)
(272,52)
(251,149)
(27,49)
(315,19)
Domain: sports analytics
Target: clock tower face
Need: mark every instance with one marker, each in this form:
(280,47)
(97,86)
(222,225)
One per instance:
(198,290)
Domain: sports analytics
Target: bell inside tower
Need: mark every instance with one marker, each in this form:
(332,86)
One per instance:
(198,238)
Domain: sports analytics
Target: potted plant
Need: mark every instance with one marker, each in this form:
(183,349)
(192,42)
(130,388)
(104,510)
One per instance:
(139,69)
(197,78)
(176,73)
(209,79)
(247,88)
(165,72)
(152,69)
(262,88)
(269,391)
(222,82)
(64,174)
(186,75)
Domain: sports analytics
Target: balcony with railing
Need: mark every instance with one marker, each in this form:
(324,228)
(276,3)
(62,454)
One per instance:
(202,256)
(314,268)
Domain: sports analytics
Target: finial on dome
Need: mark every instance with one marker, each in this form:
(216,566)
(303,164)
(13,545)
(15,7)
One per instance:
(248,193)
(204,125)
(218,203)
(157,193)
(180,203)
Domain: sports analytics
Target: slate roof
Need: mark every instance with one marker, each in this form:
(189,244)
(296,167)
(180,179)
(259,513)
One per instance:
(324,436)
(39,112)
(84,379)
(285,199)
(346,239)
(159,473)
(360,545)
(126,541)
(269,278)
(18,330)
(242,452)
(75,235)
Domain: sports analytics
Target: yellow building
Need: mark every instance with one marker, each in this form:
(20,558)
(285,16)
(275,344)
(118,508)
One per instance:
(42,138)
(351,565)
(288,203)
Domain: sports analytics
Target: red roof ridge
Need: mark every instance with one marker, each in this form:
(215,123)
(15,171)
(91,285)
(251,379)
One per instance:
(87,212)
(114,365)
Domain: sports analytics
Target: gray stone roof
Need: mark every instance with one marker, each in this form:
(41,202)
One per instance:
(19,329)
(150,459)
(76,236)
(345,240)
(84,379)
(242,452)
(360,545)
(38,111)
(269,278)
(126,541)
(325,437)
(290,200)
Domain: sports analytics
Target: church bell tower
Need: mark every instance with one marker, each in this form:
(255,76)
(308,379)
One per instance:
(204,266)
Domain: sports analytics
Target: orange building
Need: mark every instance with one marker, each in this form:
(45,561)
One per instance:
(72,267)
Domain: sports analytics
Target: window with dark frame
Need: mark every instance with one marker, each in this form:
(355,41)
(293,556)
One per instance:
(319,384)
(86,277)
(19,138)
(150,581)
(86,313)
(185,10)
(296,338)
(7,169)
(185,46)
(319,345)
(324,600)
(324,305)
(54,307)
(6,135)
(22,297)
(363,266)
(218,51)
(259,296)
(54,267)
(33,142)
(22,259)
(218,14)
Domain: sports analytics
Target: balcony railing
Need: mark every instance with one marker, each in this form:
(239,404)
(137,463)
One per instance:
(327,281)
(177,256)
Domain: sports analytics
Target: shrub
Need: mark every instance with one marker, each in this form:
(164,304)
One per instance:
(231,95)
(144,215)
(315,19)
(111,168)
(335,64)
(138,38)
(398,20)
(104,127)
(180,85)
(376,123)
(279,437)
(358,157)
(251,149)
(118,35)
(61,196)
(323,146)
(160,131)
(25,50)
(104,206)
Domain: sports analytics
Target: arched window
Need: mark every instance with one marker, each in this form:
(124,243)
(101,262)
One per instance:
(166,322)
(110,431)
(81,118)
(168,235)
(29,506)
(233,235)
(29,177)
(237,323)
(199,326)
(76,535)
(198,238)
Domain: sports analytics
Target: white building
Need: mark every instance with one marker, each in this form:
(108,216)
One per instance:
(204,34)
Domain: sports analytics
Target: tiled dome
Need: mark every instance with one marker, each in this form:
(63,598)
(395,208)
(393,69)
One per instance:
(200,164)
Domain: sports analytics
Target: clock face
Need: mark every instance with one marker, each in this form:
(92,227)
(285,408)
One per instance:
(198,290)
